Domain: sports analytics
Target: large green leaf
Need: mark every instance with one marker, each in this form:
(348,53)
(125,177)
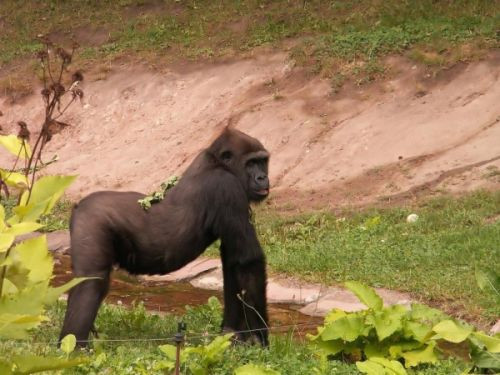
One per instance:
(28,364)
(388,320)
(14,145)
(251,369)
(45,193)
(383,366)
(416,357)
(5,367)
(15,326)
(347,328)
(6,240)
(14,179)
(376,349)
(53,293)
(334,314)
(28,301)
(491,343)
(418,331)
(450,331)
(330,347)
(34,256)
(365,294)
(22,228)
(426,314)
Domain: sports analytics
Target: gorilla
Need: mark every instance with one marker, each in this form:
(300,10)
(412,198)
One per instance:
(211,201)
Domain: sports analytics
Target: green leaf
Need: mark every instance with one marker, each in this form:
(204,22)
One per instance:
(23,228)
(15,146)
(347,328)
(426,314)
(5,368)
(14,179)
(376,349)
(365,294)
(68,344)
(419,331)
(46,191)
(388,320)
(415,357)
(485,360)
(396,351)
(14,326)
(383,366)
(488,280)
(34,256)
(28,364)
(6,240)
(330,347)
(53,293)
(169,350)
(491,343)
(251,369)
(450,331)
(334,314)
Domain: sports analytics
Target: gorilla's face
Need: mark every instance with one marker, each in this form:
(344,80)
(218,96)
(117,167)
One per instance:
(247,159)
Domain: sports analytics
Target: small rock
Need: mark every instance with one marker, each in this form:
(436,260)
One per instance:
(496,328)
(412,218)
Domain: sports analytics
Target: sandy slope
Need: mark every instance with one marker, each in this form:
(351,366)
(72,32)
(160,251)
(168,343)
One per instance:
(409,134)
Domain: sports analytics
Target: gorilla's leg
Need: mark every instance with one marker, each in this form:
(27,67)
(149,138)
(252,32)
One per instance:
(245,299)
(83,302)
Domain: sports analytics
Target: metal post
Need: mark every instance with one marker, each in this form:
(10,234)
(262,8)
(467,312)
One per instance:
(179,339)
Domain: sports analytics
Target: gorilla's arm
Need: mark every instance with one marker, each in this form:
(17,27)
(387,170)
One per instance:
(244,270)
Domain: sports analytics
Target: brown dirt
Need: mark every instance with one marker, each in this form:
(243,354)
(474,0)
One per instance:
(413,134)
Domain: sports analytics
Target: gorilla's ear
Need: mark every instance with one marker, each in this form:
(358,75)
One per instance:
(226,156)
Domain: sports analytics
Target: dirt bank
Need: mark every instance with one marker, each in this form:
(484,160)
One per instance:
(411,133)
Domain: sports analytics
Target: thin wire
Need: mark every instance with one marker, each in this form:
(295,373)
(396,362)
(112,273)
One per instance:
(188,337)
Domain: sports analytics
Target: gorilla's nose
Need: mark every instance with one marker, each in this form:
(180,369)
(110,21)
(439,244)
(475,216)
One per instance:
(263,181)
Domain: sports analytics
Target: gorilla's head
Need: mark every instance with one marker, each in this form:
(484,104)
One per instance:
(246,158)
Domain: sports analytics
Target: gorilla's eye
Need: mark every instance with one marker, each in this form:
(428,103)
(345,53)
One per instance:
(226,156)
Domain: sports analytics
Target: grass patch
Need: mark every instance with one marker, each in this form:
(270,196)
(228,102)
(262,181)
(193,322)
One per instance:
(287,355)
(434,258)
(329,37)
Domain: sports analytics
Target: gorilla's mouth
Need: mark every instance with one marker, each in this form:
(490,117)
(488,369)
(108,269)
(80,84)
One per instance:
(263,192)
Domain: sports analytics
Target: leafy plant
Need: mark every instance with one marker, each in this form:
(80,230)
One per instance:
(197,359)
(158,196)
(379,338)
(26,266)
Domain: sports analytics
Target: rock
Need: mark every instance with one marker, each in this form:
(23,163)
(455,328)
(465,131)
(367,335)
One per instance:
(347,301)
(211,281)
(496,328)
(58,241)
(188,272)
(277,293)
(412,218)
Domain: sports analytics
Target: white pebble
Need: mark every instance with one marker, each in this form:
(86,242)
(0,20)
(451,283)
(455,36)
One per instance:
(412,218)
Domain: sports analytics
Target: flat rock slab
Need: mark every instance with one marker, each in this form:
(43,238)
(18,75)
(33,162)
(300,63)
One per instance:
(188,272)
(278,293)
(345,300)
(212,280)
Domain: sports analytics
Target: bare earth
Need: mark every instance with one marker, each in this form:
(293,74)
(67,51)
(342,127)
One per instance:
(409,134)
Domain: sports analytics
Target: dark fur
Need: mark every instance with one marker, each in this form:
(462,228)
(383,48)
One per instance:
(211,201)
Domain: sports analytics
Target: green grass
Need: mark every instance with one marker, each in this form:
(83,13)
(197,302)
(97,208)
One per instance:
(328,36)
(434,258)
(285,354)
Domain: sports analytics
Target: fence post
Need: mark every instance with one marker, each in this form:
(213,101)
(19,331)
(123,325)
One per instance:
(179,339)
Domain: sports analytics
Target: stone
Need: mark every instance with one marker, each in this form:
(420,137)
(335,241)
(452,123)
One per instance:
(188,272)
(496,328)
(58,241)
(277,293)
(211,281)
(347,301)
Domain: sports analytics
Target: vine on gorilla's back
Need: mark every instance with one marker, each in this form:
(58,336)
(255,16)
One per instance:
(26,266)
(157,196)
